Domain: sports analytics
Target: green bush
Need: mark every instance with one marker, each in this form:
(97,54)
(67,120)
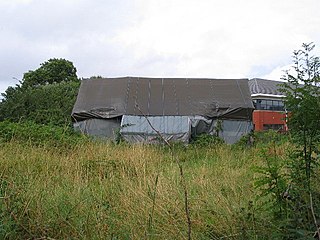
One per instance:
(48,104)
(204,140)
(39,135)
(291,184)
(260,139)
(45,95)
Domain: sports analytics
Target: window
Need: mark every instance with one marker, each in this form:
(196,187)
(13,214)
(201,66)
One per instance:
(269,105)
(276,127)
(275,105)
(272,105)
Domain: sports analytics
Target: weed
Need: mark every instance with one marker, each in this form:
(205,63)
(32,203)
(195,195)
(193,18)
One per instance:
(101,190)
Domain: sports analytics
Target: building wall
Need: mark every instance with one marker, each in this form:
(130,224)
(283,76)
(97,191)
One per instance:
(264,120)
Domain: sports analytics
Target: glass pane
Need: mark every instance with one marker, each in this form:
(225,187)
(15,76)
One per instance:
(254,103)
(281,106)
(275,103)
(258,107)
(269,105)
(263,104)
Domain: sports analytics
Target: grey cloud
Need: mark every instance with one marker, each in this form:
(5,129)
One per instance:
(32,33)
(87,32)
(60,19)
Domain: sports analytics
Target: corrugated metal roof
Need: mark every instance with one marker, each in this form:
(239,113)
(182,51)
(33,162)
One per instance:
(113,97)
(260,86)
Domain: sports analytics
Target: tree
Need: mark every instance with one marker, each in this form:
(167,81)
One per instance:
(52,71)
(302,91)
(45,95)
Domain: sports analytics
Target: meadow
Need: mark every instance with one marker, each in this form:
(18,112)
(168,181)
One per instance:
(101,190)
(58,184)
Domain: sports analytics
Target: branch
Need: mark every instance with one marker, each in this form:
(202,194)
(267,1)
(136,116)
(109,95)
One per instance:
(153,128)
(317,233)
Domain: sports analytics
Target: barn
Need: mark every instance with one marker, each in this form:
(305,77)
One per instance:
(140,108)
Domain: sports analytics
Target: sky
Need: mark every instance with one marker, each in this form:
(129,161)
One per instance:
(156,38)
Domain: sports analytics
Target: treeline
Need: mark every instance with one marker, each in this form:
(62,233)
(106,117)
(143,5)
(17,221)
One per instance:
(44,96)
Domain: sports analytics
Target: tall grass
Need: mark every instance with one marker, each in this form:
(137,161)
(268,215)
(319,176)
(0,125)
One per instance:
(105,191)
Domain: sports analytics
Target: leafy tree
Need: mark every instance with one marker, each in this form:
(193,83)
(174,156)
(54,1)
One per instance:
(292,185)
(302,91)
(51,71)
(45,95)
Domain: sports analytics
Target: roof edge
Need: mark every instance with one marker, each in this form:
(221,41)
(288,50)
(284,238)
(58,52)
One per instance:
(267,95)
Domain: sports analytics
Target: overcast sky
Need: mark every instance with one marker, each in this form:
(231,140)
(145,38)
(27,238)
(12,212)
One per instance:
(181,38)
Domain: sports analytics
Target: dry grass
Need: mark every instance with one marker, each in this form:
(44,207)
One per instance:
(103,191)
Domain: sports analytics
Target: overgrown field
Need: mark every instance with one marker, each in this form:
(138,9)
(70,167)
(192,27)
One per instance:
(100,190)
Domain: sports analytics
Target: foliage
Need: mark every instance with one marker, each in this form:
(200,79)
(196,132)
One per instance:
(303,99)
(284,193)
(206,140)
(106,191)
(291,185)
(261,139)
(272,182)
(50,104)
(302,92)
(46,102)
(52,71)
(39,135)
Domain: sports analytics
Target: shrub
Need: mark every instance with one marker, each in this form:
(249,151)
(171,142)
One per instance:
(37,134)
(48,104)
(205,140)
